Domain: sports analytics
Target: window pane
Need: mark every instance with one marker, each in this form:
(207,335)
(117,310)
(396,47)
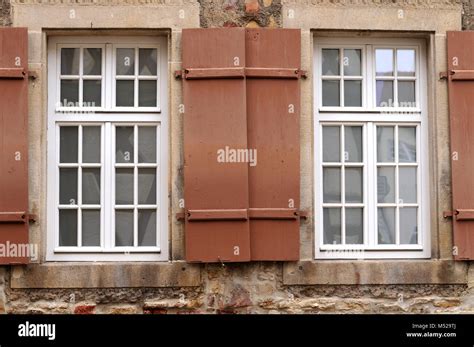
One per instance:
(407,184)
(353,144)
(147,186)
(124,186)
(353,93)
(125,61)
(385,144)
(92,93)
(386,225)
(67,227)
(146,228)
(147,144)
(331,184)
(406,62)
(69,93)
(407,144)
(386,184)
(68,145)
(92,61)
(408,225)
(331,144)
(330,62)
(384,93)
(353,184)
(352,62)
(91,227)
(90,186)
(384,62)
(331,93)
(147,93)
(147,61)
(70,61)
(91,144)
(124,228)
(332,225)
(354,226)
(125,93)
(406,94)
(68,186)
(124,145)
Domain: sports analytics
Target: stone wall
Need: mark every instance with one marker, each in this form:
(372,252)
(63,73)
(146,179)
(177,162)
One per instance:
(251,288)
(5,13)
(468,15)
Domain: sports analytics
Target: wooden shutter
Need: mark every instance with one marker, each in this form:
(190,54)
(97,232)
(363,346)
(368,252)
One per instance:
(215,193)
(461,112)
(241,92)
(273,112)
(13,142)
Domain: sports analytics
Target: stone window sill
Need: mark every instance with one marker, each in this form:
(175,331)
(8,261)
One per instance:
(106,275)
(375,272)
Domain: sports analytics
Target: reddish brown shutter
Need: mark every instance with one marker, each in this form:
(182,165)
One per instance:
(461,112)
(13,141)
(241,91)
(273,112)
(215,193)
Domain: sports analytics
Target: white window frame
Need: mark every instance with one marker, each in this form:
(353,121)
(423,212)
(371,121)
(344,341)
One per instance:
(369,115)
(107,116)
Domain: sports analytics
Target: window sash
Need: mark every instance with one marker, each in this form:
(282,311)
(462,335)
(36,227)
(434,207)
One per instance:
(107,192)
(376,116)
(370,200)
(369,77)
(108,77)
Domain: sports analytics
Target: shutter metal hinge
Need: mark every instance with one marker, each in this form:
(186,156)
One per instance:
(238,214)
(17,217)
(443,75)
(33,75)
(448,214)
(460,214)
(178,74)
(249,72)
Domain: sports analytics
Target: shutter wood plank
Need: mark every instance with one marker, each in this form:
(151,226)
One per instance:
(13,139)
(273,111)
(215,118)
(461,112)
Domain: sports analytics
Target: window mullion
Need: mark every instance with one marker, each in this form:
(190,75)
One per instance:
(371,146)
(343,187)
(108,202)
(108,85)
(135,89)
(81,67)
(135,187)
(397,187)
(369,77)
(79,189)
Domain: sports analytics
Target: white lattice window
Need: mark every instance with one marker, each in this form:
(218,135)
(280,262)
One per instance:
(370,149)
(107,149)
